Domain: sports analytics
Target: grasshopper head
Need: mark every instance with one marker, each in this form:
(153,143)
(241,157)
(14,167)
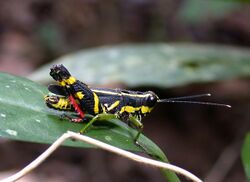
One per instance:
(152,99)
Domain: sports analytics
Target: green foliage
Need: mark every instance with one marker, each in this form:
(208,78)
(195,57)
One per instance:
(161,65)
(245,155)
(196,11)
(241,1)
(25,117)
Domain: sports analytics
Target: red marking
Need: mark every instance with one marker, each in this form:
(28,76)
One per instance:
(77,108)
(76,120)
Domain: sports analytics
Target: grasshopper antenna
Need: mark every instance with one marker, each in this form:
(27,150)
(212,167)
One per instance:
(179,100)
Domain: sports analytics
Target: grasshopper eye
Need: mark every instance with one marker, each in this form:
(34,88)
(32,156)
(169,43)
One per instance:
(151,100)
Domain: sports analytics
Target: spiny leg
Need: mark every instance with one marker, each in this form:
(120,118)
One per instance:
(139,126)
(103,116)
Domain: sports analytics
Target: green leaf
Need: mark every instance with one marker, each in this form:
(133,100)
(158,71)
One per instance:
(25,117)
(155,152)
(193,11)
(245,156)
(159,65)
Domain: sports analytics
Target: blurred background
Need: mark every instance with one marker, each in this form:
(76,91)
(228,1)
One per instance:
(203,139)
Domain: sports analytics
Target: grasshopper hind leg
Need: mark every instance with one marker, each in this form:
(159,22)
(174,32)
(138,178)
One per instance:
(103,116)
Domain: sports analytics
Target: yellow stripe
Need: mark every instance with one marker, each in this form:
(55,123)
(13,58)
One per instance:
(106,92)
(70,80)
(65,103)
(96,104)
(146,109)
(62,104)
(121,94)
(114,105)
(62,83)
(136,95)
(79,95)
(131,109)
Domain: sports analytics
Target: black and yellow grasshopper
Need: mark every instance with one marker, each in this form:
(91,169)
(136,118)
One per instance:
(131,106)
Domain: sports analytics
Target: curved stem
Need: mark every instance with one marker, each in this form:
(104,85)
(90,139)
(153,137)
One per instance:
(104,146)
